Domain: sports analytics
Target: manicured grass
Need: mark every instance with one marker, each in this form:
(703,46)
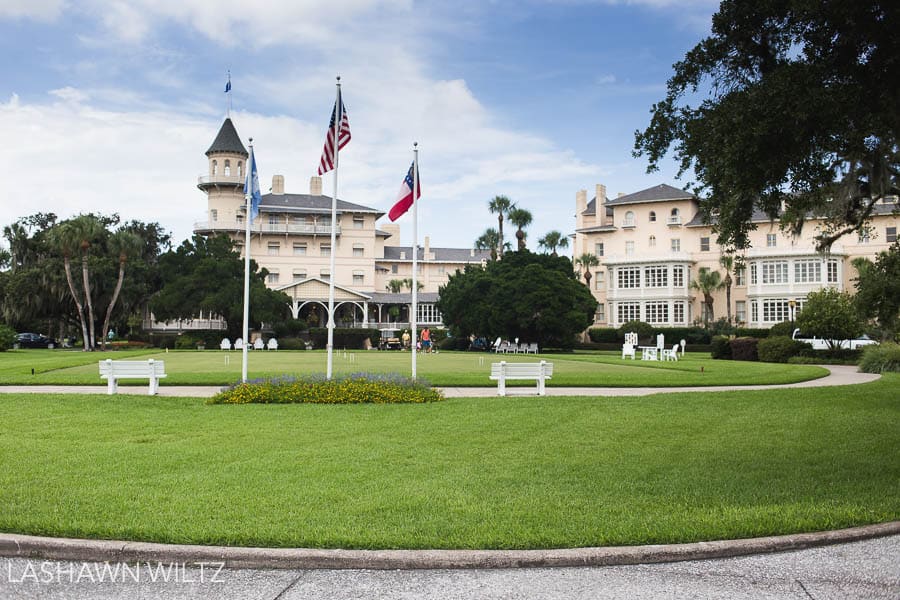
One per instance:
(464,473)
(444,369)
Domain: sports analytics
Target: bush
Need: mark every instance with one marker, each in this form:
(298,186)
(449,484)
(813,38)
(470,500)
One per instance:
(605,335)
(756,333)
(128,345)
(744,348)
(352,338)
(355,388)
(785,328)
(720,348)
(882,358)
(7,338)
(691,335)
(644,330)
(289,328)
(291,343)
(779,349)
(833,354)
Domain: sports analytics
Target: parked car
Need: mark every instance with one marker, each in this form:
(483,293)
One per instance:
(35,340)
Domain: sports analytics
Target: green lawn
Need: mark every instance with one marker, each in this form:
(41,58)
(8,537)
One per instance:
(443,369)
(464,473)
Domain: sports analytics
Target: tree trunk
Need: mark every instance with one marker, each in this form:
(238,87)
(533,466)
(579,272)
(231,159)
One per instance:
(500,233)
(587,278)
(710,316)
(87,297)
(71,282)
(520,236)
(112,302)
(728,295)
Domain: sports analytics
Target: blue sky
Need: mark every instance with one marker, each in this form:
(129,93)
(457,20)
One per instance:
(110,106)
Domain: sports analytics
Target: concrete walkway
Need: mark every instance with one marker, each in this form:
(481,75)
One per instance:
(840,375)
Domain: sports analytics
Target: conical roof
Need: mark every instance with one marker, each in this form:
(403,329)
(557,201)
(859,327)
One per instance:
(228,140)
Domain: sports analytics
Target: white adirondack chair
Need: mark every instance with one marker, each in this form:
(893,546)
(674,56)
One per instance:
(273,344)
(226,344)
(239,344)
(259,344)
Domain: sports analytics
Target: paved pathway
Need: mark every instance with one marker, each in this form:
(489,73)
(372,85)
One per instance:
(840,375)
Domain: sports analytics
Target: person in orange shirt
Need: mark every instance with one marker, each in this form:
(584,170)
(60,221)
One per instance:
(426,340)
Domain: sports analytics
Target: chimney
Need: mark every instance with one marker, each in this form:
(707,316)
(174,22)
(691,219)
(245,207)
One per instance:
(580,202)
(315,186)
(393,230)
(471,252)
(427,250)
(620,194)
(278,184)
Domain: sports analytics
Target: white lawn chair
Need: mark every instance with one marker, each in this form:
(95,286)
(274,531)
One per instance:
(226,344)
(631,342)
(522,349)
(495,347)
(259,344)
(239,344)
(670,354)
(628,350)
(532,348)
(273,344)
(660,344)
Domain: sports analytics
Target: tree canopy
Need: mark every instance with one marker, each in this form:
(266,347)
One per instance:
(878,290)
(208,274)
(533,297)
(798,115)
(830,315)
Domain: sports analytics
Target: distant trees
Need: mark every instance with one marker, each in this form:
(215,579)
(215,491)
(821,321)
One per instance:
(500,206)
(553,240)
(584,264)
(521,218)
(878,290)
(830,315)
(534,297)
(489,240)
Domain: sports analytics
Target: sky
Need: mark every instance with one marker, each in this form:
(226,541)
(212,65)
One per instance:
(110,106)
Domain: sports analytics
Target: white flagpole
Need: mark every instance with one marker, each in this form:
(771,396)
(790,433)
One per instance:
(415,254)
(338,115)
(247,197)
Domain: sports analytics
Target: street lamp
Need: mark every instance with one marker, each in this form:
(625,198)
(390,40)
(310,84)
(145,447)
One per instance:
(792,305)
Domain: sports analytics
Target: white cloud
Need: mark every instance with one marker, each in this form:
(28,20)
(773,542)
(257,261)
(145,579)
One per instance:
(40,10)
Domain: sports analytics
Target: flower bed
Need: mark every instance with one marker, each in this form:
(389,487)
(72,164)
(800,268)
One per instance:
(355,388)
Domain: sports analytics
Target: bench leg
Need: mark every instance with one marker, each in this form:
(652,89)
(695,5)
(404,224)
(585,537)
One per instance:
(501,386)
(111,386)
(154,386)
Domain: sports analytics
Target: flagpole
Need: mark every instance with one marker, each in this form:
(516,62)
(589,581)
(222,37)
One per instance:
(338,115)
(247,195)
(415,254)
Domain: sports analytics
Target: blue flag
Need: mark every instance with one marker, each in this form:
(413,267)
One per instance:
(251,186)
(228,86)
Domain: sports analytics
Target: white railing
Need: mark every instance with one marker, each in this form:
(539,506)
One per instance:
(212,179)
(263,227)
(674,220)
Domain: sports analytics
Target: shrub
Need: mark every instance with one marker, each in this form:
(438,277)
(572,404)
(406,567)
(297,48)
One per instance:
(355,388)
(785,328)
(7,338)
(344,337)
(128,345)
(691,335)
(833,354)
(291,343)
(605,335)
(289,328)
(882,358)
(779,348)
(187,342)
(744,348)
(756,333)
(803,360)
(720,348)
(644,330)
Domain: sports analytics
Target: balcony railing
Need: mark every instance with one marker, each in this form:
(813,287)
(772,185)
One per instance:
(205,180)
(673,220)
(263,227)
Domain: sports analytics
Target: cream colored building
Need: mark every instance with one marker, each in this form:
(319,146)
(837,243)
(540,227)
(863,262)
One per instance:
(652,243)
(291,238)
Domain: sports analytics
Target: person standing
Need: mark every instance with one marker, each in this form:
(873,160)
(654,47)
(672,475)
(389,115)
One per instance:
(426,340)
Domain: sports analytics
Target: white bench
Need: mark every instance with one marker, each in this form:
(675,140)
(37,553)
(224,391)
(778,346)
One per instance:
(114,370)
(503,370)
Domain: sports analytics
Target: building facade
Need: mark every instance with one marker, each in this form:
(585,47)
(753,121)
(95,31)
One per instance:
(651,244)
(291,239)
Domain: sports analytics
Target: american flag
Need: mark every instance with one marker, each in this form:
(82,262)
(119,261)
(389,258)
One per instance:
(326,163)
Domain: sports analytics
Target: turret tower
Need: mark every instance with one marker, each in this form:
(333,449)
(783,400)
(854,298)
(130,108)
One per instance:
(224,183)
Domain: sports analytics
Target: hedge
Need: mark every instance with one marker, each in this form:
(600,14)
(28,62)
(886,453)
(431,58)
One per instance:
(344,337)
(880,358)
(355,388)
(720,348)
(779,349)
(744,348)
(7,338)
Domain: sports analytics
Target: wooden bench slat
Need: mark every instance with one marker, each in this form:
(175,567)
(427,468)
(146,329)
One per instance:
(112,371)
(503,371)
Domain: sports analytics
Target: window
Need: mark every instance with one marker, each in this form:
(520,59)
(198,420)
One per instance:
(629,248)
(215,167)
(274,221)
(442,270)
(753,277)
(890,234)
(652,216)
(240,219)
(273,248)
(678,277)
(598,249)
(740,276)
(272,277)
(864,237)
(358,250)
(213,215)
(300,249)
(754,312)
(771,240)
(776,311)
(740,311)
(598,280)
(832,271)
(657,312)
(359,221)
(629,219)
(358,278)
(808,271)
(628,311)
(652,240)
(227,168)
(325,250)
(704,244)
(629,278)
(676,245)
(656,276)
(678,312)
(675,217)
(299,274)
(325,274)
(394,267)
(428,313)
(325,221)
(240,167)
(774,271)
(600,315)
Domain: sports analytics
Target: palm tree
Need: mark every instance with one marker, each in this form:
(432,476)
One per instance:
(584,263)
(407,283)
(521,218)
(553,240)
(489,240)
(66,240)
(706,283)
(500,206)
(727,262)
(125,244)
(395,286)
